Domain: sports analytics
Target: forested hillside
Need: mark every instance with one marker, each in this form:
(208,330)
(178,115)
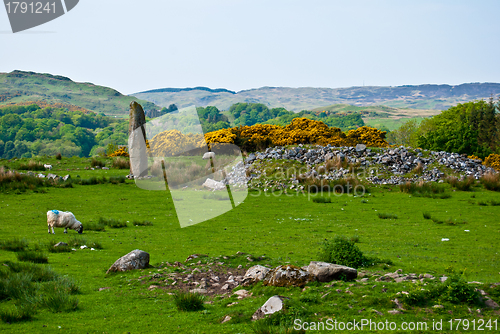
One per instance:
(27,131)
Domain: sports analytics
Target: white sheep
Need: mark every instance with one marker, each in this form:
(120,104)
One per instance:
(209,155)
(67,220)
(49,167)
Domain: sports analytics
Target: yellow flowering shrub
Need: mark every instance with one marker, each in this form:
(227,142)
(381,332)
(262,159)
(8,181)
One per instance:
(221,136)
(173,142)
(366,135)
(261,136)
(121,152)
(474,157)
(493,161)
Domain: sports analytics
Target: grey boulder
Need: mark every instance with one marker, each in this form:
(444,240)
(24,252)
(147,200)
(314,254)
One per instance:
(272,305)
(136,259)
(255,274)
(327,272)
(288,275)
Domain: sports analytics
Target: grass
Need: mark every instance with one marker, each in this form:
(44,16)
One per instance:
(121,163)
(425,189)
(463,185)
(31,256)
(111,222)
(491,181)
(342,250)
(27,288)
(187,301)
(426,215)
(14,244)
(92,226)
(58,249)
(97,163)
(387,215)
(142,223)
(263,224)
(75,242)
(322,200)
(32,165)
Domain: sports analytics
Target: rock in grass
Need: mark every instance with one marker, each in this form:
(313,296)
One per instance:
(272,305)
(255,274)
(60,243)
(327,272)
(200,291)
(242,294)
(136,259)
(213,185)
(288,275)
(491,304)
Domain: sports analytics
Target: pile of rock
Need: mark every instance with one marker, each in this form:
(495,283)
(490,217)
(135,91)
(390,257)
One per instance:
(289,275)
(383,165)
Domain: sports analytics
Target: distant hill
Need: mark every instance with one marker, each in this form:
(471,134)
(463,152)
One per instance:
(437,97)
(18,87)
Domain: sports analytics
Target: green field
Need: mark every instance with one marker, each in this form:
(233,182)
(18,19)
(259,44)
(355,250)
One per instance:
(283,228)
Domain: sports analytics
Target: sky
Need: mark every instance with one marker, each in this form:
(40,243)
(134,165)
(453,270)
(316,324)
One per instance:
(134,46)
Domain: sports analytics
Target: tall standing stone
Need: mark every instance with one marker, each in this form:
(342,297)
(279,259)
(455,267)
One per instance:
(137,140)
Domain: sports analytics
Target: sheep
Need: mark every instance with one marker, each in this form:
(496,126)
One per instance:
(67,220)
(209,155)
(49,167)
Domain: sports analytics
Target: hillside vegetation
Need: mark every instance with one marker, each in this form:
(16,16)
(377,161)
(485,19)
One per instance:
(20,87)
(471,128)
(27,131)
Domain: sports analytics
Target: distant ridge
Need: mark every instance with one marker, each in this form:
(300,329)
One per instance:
(426,96)
(176,90)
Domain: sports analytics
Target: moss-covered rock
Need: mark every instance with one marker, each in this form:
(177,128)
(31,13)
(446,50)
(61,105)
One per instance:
(288,275)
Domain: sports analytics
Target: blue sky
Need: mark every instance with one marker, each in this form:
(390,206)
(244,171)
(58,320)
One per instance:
(139,45)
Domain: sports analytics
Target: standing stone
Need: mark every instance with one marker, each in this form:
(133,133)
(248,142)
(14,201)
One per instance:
(137,140)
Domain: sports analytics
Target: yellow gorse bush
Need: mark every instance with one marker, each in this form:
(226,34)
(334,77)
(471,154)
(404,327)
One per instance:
(173,142)
(474,157)
(260,136)
(121,152)
(365,135)
(493,161)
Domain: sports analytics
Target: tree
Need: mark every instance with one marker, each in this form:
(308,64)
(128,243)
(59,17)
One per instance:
(469,128)
(406,134)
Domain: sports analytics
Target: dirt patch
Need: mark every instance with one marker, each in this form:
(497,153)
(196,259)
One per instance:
(212,278)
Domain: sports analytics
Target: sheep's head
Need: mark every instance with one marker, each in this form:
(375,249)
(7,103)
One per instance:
(80,230)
